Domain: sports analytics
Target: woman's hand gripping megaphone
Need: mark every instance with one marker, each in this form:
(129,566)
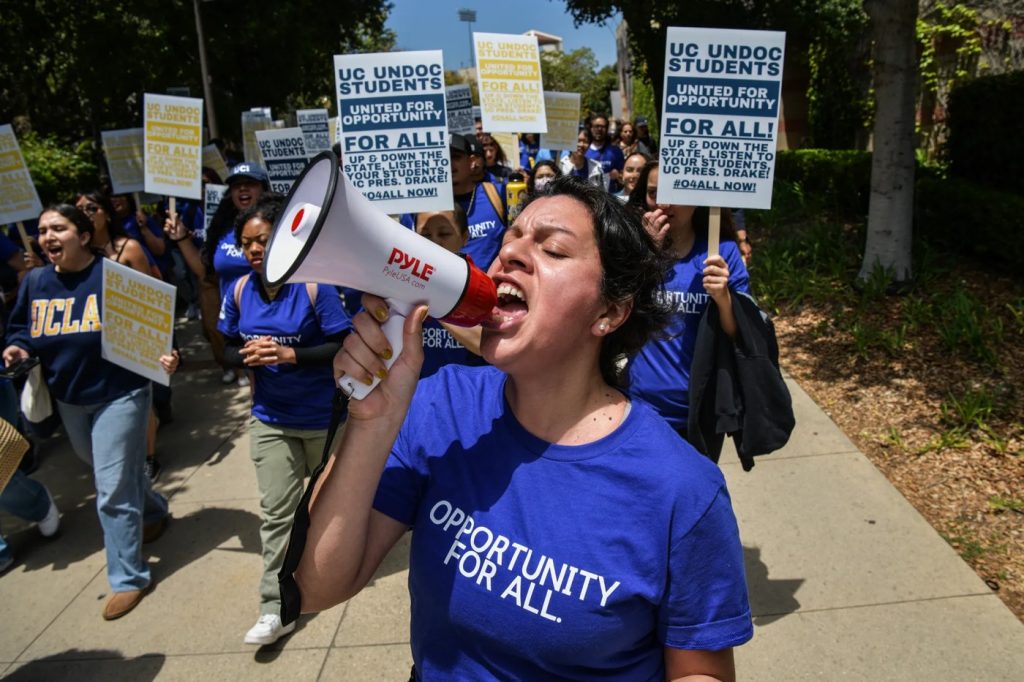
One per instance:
(386,348)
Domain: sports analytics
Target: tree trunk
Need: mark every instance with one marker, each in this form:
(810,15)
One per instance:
(891,209)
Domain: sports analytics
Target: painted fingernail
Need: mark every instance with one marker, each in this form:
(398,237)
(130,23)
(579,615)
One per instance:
(380,314)
(386,353)
(382,374)
(368,381)
(423,314)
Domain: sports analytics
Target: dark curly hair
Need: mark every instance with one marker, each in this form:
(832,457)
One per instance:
(267,207)
(115,227)
(532,177)
(634,271)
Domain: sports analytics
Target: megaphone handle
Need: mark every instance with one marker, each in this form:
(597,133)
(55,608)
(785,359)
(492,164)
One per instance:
(394,331)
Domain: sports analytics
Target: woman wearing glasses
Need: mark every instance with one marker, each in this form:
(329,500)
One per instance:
(111,238)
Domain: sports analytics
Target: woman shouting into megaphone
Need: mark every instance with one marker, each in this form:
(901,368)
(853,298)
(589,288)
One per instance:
(559,530)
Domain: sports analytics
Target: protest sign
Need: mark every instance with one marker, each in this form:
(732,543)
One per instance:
(563,117)
(615,97)
(174,157)
(251,122)
(720,117)
(284,156)
(18,197)
(511,91)
(126,161)
(137,320)
(212,195)
(393,129)
(510,145)
(459,101)
(316,130)
(214,161)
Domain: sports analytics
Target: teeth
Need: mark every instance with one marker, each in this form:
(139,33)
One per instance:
(506,289)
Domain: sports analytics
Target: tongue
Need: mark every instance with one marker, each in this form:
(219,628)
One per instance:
(510,311)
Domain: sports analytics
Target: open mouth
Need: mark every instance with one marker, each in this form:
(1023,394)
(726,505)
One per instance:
(54,251)
(511,306)
(244,198)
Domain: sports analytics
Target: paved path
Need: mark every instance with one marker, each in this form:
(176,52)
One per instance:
(847,580)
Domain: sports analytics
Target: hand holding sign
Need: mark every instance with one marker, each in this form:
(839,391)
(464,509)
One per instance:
(720,122)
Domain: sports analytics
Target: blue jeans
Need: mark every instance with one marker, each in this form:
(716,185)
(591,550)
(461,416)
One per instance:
(25,498)
(112,438)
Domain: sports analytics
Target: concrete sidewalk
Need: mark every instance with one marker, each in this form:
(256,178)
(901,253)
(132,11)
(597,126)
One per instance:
(846,579)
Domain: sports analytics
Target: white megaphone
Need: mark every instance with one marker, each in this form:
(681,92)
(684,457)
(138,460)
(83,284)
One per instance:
(330,233)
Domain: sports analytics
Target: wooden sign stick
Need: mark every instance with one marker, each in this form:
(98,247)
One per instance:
(714,230)
(25,241)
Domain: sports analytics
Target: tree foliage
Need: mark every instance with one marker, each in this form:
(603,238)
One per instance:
(75,68)
(577,71)
(649,19)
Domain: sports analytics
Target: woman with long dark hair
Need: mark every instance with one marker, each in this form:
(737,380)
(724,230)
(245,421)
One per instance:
(104,407)
(660,373)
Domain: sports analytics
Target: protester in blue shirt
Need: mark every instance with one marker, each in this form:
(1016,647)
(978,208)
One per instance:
(660,373)
(287,337)
(445,344)
(104,407)
(529,147)
(606,152)
(143,229)
(483,202)
(220,261)
(110,237)
(559,530)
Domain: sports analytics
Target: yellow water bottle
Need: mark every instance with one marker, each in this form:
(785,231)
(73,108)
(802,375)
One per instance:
(515,197)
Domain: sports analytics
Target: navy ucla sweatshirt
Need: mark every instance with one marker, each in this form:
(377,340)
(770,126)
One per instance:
(57,317)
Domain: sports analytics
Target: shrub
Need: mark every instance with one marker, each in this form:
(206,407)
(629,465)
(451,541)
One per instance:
(965,216)
(58,170)
(984,143)
(836,180)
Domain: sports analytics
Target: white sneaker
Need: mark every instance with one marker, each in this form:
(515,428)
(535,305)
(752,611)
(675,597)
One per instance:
(268,629)
(51,522)
(243,380)
(228,377)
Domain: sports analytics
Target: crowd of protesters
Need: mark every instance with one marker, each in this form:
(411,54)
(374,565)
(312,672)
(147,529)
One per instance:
(626,347)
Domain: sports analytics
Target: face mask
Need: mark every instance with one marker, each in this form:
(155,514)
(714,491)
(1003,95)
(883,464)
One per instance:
(540,183)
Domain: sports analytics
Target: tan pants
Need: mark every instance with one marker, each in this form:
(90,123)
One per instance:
(283,458)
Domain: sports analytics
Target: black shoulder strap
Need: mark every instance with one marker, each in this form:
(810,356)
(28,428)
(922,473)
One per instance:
(291,598)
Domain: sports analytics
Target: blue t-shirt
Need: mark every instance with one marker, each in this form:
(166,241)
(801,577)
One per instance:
(132,229)
(7,248)
(292,396)
(537,561)
(528,154)
(57,317)
(229,263)
(486,226)
(660,373)
(440,348)
(610,157)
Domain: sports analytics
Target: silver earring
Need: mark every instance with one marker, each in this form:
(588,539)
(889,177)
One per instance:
(603,327)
